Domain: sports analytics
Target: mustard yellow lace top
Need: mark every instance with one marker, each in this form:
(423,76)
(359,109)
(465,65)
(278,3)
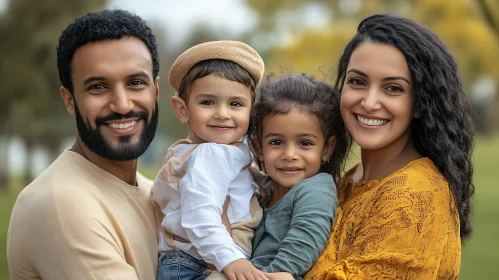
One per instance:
(404,226)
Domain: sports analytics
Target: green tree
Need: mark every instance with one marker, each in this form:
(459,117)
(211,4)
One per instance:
(30,103)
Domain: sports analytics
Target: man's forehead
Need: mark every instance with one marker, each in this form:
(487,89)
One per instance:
(120,57)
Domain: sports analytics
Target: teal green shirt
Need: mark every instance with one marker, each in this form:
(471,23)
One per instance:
(293,233)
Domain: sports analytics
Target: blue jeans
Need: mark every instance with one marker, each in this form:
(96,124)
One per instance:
(177,265)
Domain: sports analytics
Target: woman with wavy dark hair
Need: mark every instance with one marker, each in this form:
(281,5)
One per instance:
(405,210)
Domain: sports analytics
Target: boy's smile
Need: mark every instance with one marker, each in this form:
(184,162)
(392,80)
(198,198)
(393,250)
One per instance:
(218,110)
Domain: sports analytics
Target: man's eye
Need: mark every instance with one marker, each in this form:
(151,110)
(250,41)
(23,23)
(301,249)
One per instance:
(136,83)
(97,87)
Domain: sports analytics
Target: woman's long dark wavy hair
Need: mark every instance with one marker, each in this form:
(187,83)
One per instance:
(310,96)
(444,132)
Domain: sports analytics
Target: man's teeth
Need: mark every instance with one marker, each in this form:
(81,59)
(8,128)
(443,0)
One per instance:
(122,125)
(371,122)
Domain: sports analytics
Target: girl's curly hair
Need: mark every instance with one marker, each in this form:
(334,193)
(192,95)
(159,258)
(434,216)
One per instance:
(313,97)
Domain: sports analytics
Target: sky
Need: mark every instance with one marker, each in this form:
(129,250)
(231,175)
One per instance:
(231,16)
(228,16)
(3,5)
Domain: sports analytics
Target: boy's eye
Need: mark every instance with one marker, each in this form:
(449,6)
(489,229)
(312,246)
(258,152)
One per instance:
(275,142)
(207,102)
(236,104)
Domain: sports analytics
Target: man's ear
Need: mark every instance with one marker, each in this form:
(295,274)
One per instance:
(180,109)
(156,85)
(329,148)
(69,101)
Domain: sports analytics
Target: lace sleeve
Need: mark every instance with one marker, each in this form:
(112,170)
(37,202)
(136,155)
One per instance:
(404,229)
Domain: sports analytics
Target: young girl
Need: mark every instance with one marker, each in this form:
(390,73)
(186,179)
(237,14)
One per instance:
(295,129)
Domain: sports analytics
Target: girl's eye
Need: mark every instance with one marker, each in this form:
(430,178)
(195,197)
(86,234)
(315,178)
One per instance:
(395,89)
(355,82)
(275,142)
(236,104)
(207,102)
(306,143)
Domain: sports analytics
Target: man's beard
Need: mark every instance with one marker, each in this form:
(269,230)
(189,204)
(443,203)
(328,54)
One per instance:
(95,141)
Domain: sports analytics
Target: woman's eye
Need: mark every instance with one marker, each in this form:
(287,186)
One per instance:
(355,82)
(395,89)
(236,104)
(207,102)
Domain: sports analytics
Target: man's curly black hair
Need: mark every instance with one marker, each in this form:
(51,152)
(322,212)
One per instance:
(99,26)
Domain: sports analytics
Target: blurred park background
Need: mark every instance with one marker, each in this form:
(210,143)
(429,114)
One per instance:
(292,36)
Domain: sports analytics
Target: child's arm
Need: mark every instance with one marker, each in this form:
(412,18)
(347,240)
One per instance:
(225,217)
(312,216)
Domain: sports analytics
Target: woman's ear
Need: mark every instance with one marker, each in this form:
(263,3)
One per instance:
(180,109)
(328,149)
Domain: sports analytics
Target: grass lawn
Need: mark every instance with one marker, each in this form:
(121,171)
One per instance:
(480,254)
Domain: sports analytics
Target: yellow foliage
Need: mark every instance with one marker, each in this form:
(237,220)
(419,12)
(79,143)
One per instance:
(457,22)
(314,52)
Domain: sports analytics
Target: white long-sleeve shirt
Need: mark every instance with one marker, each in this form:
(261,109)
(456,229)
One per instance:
(189,193)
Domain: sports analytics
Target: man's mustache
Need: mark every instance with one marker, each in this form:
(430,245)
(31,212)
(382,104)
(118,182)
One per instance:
(117,116)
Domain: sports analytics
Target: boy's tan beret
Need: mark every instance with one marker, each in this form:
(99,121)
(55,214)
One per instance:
(234,51)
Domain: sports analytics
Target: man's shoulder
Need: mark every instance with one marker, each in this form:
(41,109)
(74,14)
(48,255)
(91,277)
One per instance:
(144,182)
(64,180)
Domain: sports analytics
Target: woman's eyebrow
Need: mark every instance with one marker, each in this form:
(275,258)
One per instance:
(358,72)
(396,78)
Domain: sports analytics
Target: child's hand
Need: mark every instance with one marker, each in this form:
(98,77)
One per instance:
(243,270)
(279,276)
(264,194)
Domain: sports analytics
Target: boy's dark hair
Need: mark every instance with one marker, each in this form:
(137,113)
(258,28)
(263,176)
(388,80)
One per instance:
(100,26)
(222,68)
(313,97)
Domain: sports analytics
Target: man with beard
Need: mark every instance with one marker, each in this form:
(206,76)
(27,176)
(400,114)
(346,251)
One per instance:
(89,215)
